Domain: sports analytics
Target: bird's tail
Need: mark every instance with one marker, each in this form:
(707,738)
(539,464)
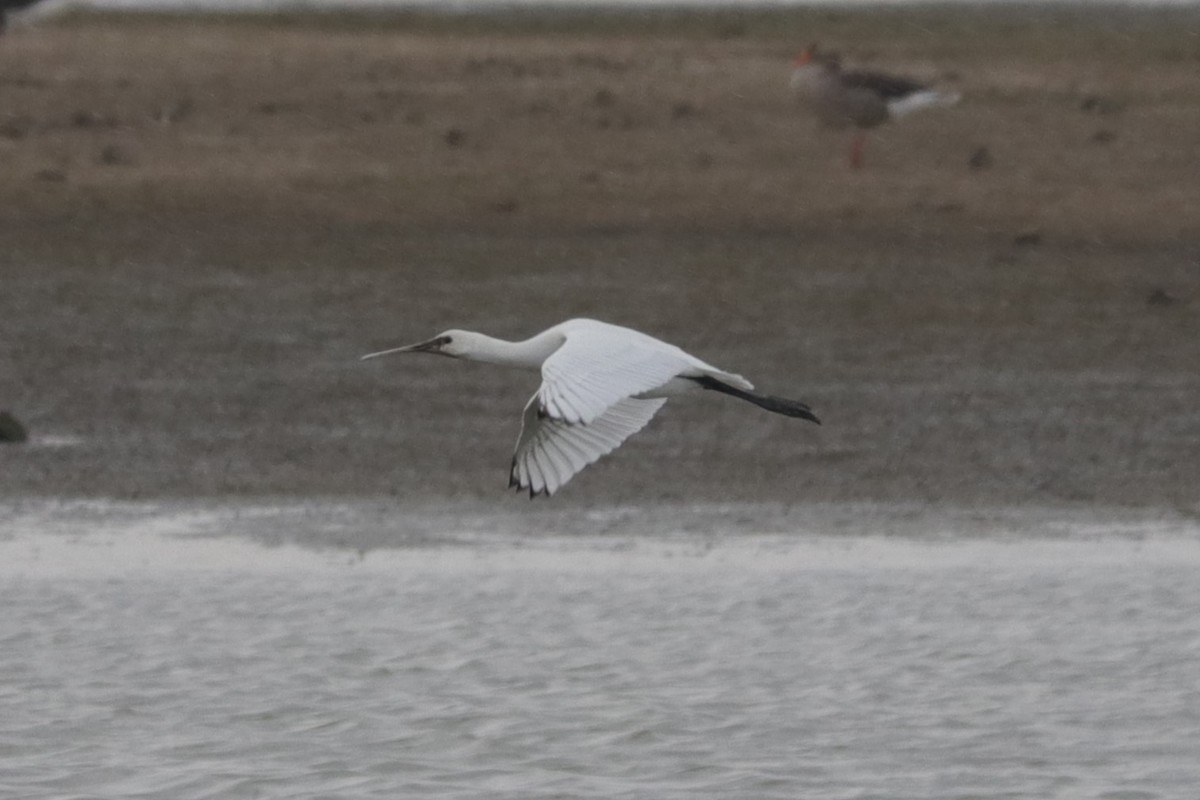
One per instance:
(778,405)
(926,98)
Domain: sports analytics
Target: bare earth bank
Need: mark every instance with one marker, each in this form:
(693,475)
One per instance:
(204,223)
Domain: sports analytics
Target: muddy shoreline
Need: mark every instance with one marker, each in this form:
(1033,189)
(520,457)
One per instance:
(204,223)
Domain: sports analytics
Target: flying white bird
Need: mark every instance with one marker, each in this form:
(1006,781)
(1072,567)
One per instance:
(601,384)
(863,100)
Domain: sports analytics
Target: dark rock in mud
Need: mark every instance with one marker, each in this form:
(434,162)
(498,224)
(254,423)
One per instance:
(11,430)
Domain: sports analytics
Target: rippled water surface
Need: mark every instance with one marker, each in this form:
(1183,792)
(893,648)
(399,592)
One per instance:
(761,667)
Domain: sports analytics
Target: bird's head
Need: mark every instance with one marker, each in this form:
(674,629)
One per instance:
(453,343)
(816,56)
(805,56)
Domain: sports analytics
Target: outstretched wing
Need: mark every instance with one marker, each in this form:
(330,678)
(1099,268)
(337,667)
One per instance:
(889,87)
(550,451)
(596,368)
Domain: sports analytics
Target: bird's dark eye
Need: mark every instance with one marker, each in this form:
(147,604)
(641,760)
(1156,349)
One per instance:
(445,340)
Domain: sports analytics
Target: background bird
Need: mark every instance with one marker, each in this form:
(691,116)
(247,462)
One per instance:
(12,5)
(862,100)
(601,384)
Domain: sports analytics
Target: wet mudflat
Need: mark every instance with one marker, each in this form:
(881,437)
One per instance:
(205,222)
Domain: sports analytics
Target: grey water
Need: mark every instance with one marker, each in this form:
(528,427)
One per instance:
(151,658)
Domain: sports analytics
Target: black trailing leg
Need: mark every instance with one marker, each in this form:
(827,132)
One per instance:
(778,405)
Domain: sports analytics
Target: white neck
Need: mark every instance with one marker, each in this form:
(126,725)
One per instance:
(528,354)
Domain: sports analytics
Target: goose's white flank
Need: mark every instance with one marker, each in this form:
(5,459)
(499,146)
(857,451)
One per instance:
(601,384)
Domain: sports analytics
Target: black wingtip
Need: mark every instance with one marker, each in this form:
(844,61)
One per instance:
(513,483)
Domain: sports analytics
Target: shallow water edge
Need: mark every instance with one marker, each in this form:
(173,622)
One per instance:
(98,537)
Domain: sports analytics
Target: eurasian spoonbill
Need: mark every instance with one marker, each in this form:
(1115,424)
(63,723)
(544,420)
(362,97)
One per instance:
(601,384)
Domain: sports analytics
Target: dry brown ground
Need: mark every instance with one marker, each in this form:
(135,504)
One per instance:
(203,223)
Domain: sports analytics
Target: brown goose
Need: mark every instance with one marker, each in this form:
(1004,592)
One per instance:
(862,100)
(12,5)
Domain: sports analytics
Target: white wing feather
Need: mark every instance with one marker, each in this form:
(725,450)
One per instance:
(595,369)
(551,451)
